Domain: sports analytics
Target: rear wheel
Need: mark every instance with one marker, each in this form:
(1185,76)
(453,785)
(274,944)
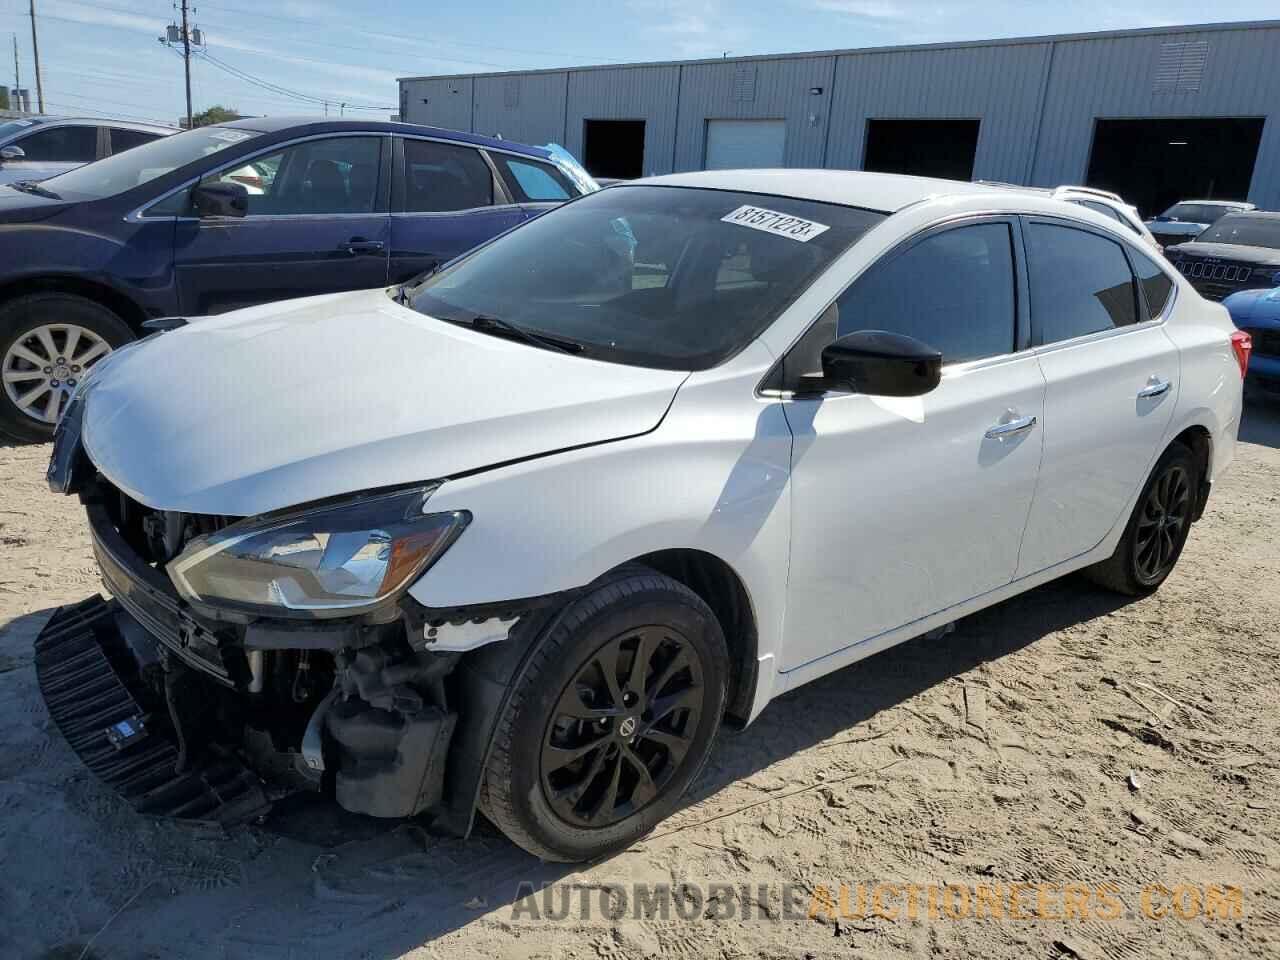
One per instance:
(48,342)
(611,720)
(1157,529)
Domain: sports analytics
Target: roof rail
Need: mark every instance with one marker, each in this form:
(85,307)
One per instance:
(1092,191)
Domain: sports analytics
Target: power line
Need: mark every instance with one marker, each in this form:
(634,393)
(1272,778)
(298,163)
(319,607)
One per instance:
(285,91)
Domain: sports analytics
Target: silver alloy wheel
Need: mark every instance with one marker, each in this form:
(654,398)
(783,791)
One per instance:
(40,371)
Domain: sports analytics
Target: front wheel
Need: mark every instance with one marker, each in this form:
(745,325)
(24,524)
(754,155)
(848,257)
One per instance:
(48,342)
(611,720)
(1157,530)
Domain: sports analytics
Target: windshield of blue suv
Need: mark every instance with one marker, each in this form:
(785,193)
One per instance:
(1245,230)
(670,277)
(142,164)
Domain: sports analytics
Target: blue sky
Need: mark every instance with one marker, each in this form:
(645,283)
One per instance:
(104,58)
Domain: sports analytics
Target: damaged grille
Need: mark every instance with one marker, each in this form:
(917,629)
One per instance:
(132,543)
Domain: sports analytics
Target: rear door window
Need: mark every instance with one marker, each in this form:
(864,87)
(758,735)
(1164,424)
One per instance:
(441,177)
(953,290)
(533,181)
(1080,283)
(68,144)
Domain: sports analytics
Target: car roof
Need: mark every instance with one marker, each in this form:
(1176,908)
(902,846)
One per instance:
(45,119)
(1255,214)
(884,192)
(1218,203)
(310,125)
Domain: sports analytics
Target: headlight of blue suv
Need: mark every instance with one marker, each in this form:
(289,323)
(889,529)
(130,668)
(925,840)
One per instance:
(335,560)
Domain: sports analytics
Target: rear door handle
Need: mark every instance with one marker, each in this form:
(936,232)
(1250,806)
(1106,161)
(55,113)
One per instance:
(1155,387)
(357,245)
(1010,428)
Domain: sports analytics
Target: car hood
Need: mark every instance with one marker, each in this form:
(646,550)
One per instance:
(286,403)
(1186,228)
(1263,256)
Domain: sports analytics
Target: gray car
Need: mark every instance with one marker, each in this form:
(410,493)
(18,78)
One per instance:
(35,148)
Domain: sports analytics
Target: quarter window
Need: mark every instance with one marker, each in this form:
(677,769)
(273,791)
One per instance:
(533,181)
(65,144)
(1080,283)
(1156,285)
(440,177)
(332,176)
(953,290)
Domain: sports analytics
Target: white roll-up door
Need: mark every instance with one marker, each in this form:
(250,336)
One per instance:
(738,144)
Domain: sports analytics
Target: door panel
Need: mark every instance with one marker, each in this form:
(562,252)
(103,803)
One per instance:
(902,507)
(1100,438)
(317,223)
(1111,387)
(446,201)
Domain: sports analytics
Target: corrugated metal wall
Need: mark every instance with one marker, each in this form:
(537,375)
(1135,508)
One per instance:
(1117,77)
(1037,99)
(650,94)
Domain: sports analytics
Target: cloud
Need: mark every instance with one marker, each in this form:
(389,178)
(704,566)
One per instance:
(869,9)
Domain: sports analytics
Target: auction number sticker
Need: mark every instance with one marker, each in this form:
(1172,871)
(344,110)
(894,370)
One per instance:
(779,224)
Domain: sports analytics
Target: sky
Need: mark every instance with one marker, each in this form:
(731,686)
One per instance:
(289,56)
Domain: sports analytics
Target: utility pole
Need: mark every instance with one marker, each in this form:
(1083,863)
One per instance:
(186,58)
(17,78)
(35,55)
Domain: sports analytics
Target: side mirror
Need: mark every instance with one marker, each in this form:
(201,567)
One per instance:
(881,363)
(12,153)
(220,198)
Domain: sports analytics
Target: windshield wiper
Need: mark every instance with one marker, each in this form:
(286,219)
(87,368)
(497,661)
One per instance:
(498,326)
(30,186)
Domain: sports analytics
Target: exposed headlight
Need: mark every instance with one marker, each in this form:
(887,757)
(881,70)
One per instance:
(329,561)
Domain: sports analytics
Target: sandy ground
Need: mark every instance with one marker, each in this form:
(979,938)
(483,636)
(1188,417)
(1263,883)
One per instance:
(1064,737)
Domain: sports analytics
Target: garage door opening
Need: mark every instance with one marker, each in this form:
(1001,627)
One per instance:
(1155,163)
(745,144)
(614,148)
(922,148)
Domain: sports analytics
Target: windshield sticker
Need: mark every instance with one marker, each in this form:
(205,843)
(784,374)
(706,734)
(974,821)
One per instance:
(779,224)
(229,136)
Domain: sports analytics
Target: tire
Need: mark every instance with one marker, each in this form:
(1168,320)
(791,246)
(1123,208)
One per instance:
(558,808)
(22,344)
(1133,570)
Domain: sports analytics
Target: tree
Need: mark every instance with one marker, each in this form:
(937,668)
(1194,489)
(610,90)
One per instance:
(4,99)
(215,114)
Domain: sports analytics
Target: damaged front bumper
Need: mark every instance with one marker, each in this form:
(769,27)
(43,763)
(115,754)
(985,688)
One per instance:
(197,719)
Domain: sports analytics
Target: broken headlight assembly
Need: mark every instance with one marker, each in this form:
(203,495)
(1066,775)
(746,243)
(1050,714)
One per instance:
(336,560)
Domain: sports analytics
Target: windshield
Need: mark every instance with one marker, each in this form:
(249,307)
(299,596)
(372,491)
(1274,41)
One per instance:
(667,277)
(1245,230)
(130,169)
(12,127)
(1195,212)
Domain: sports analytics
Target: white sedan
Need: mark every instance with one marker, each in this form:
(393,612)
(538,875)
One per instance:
(518,536)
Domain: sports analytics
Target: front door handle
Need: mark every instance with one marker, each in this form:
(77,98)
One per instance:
(358,245)
(1010,428)
(1155,387)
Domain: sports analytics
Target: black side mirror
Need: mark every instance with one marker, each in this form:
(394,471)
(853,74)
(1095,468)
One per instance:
(220,198)
(12,152)
(881,363)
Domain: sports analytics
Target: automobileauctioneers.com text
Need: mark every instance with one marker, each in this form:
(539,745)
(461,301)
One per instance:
(886,901)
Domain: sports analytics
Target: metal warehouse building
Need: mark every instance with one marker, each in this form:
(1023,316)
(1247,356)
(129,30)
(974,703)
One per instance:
(1157,115)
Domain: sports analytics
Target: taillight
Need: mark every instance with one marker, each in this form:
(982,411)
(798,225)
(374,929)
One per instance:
(1242,344)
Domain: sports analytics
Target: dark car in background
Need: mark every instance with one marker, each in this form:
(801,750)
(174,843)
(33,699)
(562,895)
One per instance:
(234,215)
(34,148)
(1241,251)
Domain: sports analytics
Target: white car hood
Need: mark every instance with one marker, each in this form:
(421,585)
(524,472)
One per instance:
(287,403)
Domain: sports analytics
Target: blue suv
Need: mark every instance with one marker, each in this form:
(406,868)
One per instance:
(238,214)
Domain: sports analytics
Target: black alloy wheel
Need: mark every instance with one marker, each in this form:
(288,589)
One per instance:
(608,718)
(1162,524)
(622,726)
